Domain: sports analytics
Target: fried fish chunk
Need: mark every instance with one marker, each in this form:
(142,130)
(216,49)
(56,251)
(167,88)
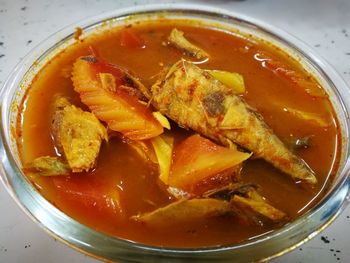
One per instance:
(247,203)
(177,39)
(184,211)
(194,99)
(253,206)
(47,166)
(249,206)
(78,134)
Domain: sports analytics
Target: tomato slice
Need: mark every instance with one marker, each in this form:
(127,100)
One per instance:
(198,159)
(129,39)
(87,193)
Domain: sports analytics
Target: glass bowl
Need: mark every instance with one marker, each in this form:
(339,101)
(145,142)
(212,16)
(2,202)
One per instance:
(102,246)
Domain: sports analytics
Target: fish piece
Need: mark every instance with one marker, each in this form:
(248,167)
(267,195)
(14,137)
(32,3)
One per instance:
(184,211)
(78,134)
(107,91)
(253,205)
(251,209)
(247,203)
(228,191)
(48,166)
(194,99)
(177,39)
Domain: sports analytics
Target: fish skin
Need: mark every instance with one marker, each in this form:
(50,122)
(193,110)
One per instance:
(195,100)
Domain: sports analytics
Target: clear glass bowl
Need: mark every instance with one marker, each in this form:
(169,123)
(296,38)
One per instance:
(103,246)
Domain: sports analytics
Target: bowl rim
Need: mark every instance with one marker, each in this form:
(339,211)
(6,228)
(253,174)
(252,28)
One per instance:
(298,45)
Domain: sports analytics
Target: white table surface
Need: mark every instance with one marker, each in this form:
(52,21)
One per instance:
(323,24)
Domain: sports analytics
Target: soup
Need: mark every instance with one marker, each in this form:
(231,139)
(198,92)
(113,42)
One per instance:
(174,134)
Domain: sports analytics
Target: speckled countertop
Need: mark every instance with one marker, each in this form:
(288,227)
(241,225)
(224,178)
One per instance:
(323,24)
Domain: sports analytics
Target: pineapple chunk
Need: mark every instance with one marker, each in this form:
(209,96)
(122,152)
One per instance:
(308,116)
(232,80)
(163,147)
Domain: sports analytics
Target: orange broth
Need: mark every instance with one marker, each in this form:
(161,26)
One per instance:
(85,196)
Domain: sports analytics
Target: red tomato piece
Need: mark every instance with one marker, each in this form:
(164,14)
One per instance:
(197,159)
(90,195)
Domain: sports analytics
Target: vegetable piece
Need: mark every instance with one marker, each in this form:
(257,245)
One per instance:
(163,147)
(129,39)
(184,211)
(84,192)
(162,119)
(310,87)
(78,134)
(232,80)
(114,104)
(307,83)
(48,166)
(307,116)
(197,159)
(254,204)
(177,39)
